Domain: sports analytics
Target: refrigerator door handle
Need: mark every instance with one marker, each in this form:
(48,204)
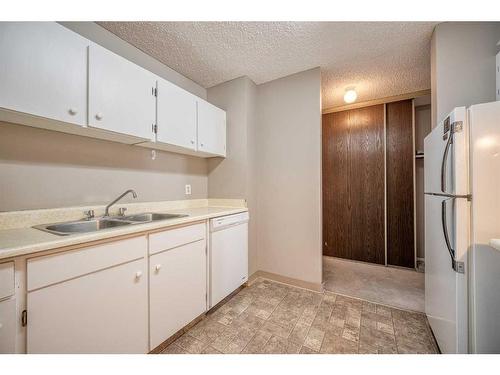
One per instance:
(445,160)
(457,266)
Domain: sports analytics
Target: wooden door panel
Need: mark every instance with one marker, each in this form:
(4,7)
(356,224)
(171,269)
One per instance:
(400,194)
(336,205)
(353,184)
(367,184)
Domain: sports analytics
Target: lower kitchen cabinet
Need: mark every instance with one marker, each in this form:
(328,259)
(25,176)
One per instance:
(178,289)
(8,326)
(92,300)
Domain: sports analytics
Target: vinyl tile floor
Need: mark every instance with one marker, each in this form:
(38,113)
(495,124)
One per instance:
(272,318)
(398,287)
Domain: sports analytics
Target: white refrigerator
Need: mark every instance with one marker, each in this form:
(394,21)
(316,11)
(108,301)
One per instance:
(462,225)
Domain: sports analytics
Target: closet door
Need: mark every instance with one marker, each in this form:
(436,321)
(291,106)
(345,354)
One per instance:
(353,184)
(400,184)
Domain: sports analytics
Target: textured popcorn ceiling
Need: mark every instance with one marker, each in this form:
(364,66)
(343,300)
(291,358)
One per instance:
(378,58)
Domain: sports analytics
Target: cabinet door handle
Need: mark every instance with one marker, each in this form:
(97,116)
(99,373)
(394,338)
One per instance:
(99,116)
(192,142)
(73,111)
(24,318)
(201,144)
(158,267)
(138,274)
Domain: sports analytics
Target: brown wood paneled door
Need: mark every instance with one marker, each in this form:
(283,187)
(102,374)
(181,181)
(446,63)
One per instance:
(400,184)
(353,184)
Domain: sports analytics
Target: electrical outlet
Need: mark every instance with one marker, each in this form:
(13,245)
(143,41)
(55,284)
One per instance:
(188,189)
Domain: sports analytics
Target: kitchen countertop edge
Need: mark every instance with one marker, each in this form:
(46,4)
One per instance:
(54,242)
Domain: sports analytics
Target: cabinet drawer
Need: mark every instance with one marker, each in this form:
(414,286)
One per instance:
(6,279)
(176,237)
(51,269)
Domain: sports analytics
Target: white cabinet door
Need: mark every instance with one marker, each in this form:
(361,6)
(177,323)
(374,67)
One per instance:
(6,279)
(211,129)
(8,326)
(43,71)
(178,288)
(121,97)
(176,116)
(102,312)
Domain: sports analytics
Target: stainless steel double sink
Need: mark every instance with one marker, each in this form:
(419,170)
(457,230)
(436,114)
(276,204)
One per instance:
(101,223)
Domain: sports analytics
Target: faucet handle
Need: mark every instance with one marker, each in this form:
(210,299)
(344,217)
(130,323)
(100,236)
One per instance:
(121,211)
(89,214)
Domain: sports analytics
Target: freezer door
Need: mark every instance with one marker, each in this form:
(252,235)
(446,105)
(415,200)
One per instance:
(445,157)
(446,289)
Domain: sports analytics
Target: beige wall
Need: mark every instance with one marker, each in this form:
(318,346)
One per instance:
(234,176)
(462,65)
(44,169)
(289,176)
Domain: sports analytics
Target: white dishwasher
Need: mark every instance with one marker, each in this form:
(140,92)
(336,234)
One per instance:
(228,255)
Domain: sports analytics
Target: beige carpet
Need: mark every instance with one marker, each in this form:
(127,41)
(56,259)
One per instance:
(385,285)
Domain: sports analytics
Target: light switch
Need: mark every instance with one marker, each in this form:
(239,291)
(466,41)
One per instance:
(188,189)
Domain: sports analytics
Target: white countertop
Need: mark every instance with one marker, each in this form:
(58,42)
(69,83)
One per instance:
(25,241)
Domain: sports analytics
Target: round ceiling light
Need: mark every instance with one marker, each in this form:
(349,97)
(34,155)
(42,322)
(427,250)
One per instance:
(350,96)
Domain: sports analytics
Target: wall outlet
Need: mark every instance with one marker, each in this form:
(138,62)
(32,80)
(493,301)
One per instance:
(188,189)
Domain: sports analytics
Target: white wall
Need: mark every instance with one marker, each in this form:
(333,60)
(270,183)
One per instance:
(234,176)
(462,65)
(289,176)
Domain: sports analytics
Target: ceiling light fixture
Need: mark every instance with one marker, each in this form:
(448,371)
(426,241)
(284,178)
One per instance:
(350,95)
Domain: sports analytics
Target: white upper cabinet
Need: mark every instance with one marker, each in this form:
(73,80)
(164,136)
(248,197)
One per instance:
(121,97)
(176,116)
(43,71)
(53,78)
(211,129)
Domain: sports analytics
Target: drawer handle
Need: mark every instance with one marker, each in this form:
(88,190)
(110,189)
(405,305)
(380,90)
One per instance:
(138,274)
(158,267)
(99,116)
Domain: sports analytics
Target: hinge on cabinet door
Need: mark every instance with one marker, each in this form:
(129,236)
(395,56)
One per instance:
(458,266)
(24,318)
(457,126)
(154,91)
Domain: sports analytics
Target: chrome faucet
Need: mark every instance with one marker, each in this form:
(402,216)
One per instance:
(134,194)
